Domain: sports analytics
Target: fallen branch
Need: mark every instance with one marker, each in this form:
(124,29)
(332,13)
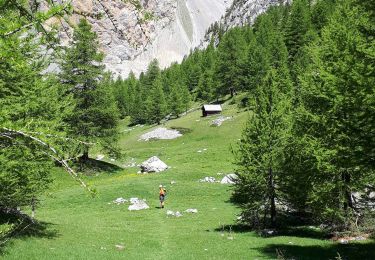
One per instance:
(52,153)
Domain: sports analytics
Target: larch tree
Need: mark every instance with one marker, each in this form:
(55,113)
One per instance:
(337,114)
(95,116)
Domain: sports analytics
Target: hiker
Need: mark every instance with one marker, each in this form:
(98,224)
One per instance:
(162,194)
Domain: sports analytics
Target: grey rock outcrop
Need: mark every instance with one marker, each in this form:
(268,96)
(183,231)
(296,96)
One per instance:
(137,204)
(154,164)
(132,34)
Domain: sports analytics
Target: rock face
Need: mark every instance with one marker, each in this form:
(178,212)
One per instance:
(154,164)
(132,33)
(240,13)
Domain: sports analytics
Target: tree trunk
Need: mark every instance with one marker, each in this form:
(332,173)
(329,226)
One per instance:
(271,187)
(33,208)
(345,176)
(85,154)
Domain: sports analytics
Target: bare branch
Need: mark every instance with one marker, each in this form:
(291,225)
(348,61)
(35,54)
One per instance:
(52,154)
(32,23)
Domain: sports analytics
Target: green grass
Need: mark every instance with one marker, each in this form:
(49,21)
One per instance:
(76,226)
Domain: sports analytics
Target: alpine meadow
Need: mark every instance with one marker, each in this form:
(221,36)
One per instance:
(192,129)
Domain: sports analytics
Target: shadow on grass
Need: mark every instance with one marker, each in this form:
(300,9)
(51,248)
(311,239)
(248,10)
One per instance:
(24,230)
(236,228)
(360,251)
(92,166)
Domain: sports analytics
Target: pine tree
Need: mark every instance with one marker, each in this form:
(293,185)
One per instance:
(95,116)
(157,103)
(336,118)
(298,25)
(30,113)
(232,52)
(260,157)
(175,100)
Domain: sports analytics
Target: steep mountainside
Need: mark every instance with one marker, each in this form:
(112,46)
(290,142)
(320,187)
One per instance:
(133,32)
(240,13)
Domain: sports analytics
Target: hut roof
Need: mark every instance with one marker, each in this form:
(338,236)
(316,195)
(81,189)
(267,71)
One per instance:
(212,108)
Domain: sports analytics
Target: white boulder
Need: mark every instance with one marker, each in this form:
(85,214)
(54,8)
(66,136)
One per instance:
(191,211)
(154,164)
(137,204)
(229,179)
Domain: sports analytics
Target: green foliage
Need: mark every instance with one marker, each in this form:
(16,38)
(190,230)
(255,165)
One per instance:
(30,115)
(230,61)
(95,116)
(336,118)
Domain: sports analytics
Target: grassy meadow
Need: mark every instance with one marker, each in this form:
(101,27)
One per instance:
(76,226)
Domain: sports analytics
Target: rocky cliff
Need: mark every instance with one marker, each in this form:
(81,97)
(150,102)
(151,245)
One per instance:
(240,13)
(133,32)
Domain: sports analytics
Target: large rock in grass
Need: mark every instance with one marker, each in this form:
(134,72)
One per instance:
(229,179)
(137,204)
(154,164)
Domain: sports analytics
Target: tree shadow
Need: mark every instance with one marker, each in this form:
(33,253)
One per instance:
(93,166)
(351,251)
(26,230)
(236,228)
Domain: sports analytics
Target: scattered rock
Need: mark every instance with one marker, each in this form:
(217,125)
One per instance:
(268,232)
(218,121)
(130,164)
(176,214)
(208,179)
(154,164)
(100,157)
(137,204)
(229,179)
(119,201)
(120,247)
(191,211)
(161,133)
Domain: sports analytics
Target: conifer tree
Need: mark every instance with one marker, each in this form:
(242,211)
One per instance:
(231,57)
(175,100)
(336,118)
(260,157)
(157,105)
(95,116)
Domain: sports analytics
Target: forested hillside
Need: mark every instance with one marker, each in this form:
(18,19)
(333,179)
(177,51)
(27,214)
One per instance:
(303,72)
(308,73)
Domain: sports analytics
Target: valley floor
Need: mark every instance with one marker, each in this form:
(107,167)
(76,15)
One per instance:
(76,226)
